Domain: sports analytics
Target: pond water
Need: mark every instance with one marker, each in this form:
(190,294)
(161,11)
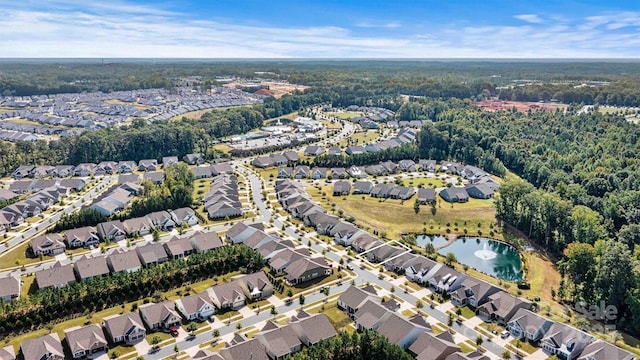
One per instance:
(436,240)
(489,256)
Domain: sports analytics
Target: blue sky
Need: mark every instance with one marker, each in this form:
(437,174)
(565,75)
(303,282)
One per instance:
(320,29)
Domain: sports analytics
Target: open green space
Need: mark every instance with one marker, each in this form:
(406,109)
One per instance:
(345,115)
(360,138)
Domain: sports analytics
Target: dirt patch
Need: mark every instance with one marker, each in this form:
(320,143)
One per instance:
(499,105)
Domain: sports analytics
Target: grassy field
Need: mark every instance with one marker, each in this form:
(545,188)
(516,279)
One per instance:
(224,148)
(18,257)
(345,115)
(426,182)
(394,217)
(360,138)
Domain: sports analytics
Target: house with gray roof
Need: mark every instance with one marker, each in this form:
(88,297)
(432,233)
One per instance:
(205,241)
(148,165)
(7,353)
(202,172)
(334,151)
(178,247)
(285,172)
(112,230)
(501,306)
(88,267)
(248,349)
(528,325)
(121,260)
(426,195)
(314,150)
(370,315)
(301,172)
(318,173)
(85,341)
(126,167)
(169,160)
(480,191)
(602,350)
(161,220)
(280,342)
(128,178)
(407,165)
(401,331)
(354,297)
(454,194)
(341,188)
(196,307)
(7,195)
(185,215)
(355,150)
(473,292)
(429,346)
(193,159)
(155,177)
(152,254)
(160,316)
(10,286)
(139,226)
(338,173)
(126,328)
(81,237)
(313,329)
(565,341)
(46,347)
(56,276)
(21,186)
(49,244)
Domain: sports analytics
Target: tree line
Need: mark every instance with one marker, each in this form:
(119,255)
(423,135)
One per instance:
(41,307)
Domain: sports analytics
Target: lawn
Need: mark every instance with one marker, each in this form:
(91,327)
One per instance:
(466,348)
(524,346)
(224,148)
(467,313)
(19,254)
(395,217)
(360,138)
(309,284)
(426,182)
(345,115)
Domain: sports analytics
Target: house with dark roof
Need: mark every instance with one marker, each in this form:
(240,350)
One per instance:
(314,150)
(401,331)
(81,237)
(56,276)
(362,187)
(139,226)
(307,269)
(318,173)
(341,188)
(87,267)
(566,342)
(196,307)
(602,350)
(480,191)
(248,349)
(407,165)
(148,165)
(10,286)
(160,316)
(169,160)
(427,165)
(370,315)
(21,186)
(338,173)
(280,259)
(152,254)
(473,292)
(49,244)
(161,220)
(193,159)
(454,194)
(205,241)
(426,195)
(301,172)
(154,177)
(355,150)
(85,341)
(280,342)
(429,346)
(528,325)
(354,297)
(178,247)
(112,230)
(501,306)
(121,260)
(334,151)
(185,215)
(126,328)
(46,347)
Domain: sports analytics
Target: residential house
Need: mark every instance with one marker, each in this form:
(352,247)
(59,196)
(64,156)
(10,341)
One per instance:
(528,325)
(420,269)
(140,226)
(480,191)
(362,187)
(46,347)
(381,190)
(363,241)
(354,297)
(121,260)
(245,350)
(10,287)
(56,276)
(285,172)
(501,307)
(86,237)
(7,353)
(107,167)
(49,244)
(185,216)
(355,150)
(161,220)
(341,188)
(73,184)
(24,209)
(446,279)
(21,186)
(223,168)
(318,173)
(407,165)
(314,150)
(112,230)
(205,354)
(427,165)
(84,169)
(401,331)
(196,307)
(322,222)
(126,167)
(85,341)
(429,346)
(306,269)
(280,342)
(338,173)
(126,328)
(154,177)
(6,195)
(178,247)
(313,329)
(301,172)
(87,267)
(201,172)
(390,167)
(376,170)
(227,295)
(22,171)
(602,350)
(279,260)
(148,165)
(224,210)
(160,316)
(205,241)
(401,192)
(334,151)
(128,178)
(370,315)
(193,159)
(454,194)
(565,341)
(450,167)
(426,196)
(383,252)
(152,254)
(169,160)
(473,292)
(62,171)
(291,156)
(256,286)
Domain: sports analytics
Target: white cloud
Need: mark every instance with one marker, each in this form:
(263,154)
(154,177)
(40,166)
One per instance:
(530,18)
(59,29)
